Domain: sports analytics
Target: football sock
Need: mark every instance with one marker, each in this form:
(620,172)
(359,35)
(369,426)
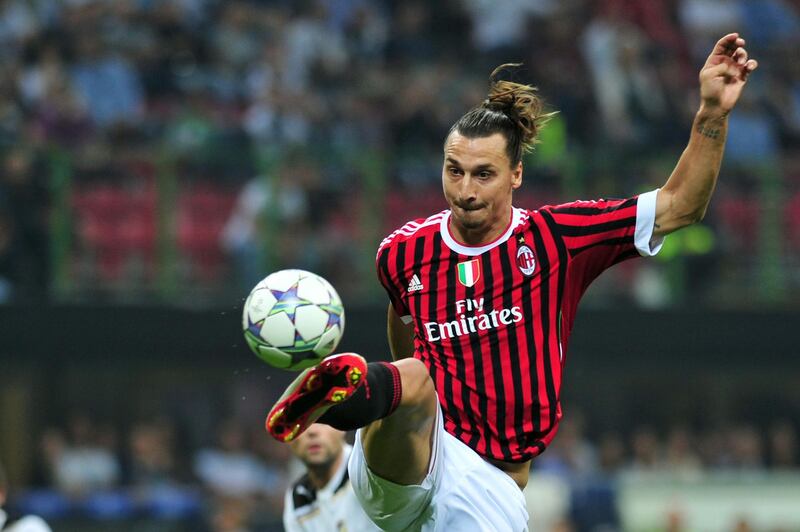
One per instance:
(376,399)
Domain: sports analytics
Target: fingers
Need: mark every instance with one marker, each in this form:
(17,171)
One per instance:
(730,52)
(751,65)
(732,69)
(740,56)
(727,44)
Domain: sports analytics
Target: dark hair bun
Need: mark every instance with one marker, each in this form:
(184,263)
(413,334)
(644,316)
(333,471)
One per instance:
(520,103)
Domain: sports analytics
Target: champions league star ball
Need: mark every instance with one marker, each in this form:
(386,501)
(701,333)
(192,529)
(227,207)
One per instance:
(293,319)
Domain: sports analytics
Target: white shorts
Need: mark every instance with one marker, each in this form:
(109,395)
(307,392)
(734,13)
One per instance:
(460,492)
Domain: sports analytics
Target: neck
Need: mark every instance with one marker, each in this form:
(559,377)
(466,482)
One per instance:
(480,236)
(320,475)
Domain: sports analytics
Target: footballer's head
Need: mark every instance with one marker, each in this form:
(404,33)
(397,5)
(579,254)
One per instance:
(483,158)
(319,446)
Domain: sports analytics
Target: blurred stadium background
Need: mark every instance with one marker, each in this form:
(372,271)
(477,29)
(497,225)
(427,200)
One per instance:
(160,156)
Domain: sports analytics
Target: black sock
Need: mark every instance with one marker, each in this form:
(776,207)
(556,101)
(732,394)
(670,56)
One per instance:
(376,399)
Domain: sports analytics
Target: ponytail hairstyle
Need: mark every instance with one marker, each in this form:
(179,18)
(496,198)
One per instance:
(511,109)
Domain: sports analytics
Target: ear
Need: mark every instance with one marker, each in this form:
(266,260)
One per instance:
(516,177)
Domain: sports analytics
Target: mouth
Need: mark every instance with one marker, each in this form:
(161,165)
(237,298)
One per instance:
(315,448)
(470,208)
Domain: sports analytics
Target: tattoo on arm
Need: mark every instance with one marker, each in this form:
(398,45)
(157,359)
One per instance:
(708,132)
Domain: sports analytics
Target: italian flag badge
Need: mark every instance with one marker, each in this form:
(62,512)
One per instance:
(469,272)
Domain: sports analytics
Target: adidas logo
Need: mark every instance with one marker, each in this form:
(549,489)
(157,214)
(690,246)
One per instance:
(415,285)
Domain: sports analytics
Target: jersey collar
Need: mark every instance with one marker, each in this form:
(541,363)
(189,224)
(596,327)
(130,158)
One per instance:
(517,217)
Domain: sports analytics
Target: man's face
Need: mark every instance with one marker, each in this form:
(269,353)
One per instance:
(478,179)
(318,445)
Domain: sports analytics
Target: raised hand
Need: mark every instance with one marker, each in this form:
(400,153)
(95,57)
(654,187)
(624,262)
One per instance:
(724,74)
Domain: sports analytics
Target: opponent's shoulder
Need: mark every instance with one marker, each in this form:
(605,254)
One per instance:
(29,523)
(412,230)
(302,493)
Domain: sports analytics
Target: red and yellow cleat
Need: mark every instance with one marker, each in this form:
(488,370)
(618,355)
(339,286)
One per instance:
(313,392)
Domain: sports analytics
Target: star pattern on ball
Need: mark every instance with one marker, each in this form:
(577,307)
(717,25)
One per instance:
(334,315)
(288,301)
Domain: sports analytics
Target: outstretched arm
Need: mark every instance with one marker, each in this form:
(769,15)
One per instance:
(684,198)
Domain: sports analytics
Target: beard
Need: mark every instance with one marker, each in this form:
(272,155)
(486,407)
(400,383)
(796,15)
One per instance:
(469,224)
(469,219)
(321,461)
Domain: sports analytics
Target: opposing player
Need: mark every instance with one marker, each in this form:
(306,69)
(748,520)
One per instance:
(322,500)
(483,297)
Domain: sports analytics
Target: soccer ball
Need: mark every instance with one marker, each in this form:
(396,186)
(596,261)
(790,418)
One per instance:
(293,319)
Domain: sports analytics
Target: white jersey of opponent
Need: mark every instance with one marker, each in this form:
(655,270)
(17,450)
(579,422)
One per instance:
(333,508)
(30,523)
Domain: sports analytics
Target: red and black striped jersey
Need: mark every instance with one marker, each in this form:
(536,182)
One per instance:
(492,322)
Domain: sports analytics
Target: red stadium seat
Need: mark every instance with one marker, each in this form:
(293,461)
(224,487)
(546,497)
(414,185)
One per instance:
(116,225)
(203,211)
(739,221)
(400,207)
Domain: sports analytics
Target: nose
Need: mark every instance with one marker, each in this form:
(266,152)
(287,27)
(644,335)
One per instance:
(467,190)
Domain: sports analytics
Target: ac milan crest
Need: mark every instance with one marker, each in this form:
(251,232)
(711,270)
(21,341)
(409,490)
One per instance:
(525,260)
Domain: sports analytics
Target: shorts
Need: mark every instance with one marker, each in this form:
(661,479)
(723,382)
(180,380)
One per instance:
(460,492)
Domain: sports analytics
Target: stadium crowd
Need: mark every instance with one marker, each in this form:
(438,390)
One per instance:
(118,142)
(236,479)
(175,150)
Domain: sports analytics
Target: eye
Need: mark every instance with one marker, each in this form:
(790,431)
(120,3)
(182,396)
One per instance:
(485,174)
(452,170)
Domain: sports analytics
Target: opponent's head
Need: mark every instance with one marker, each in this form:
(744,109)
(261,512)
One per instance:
(319,446)
(483,155)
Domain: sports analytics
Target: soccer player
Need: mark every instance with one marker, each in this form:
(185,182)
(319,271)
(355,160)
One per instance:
(322,500)
(482,300)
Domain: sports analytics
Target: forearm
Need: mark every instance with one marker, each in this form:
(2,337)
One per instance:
(688,190)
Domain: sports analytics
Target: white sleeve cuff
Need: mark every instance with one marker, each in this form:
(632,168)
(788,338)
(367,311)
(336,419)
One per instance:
(406,319)
(647,244)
